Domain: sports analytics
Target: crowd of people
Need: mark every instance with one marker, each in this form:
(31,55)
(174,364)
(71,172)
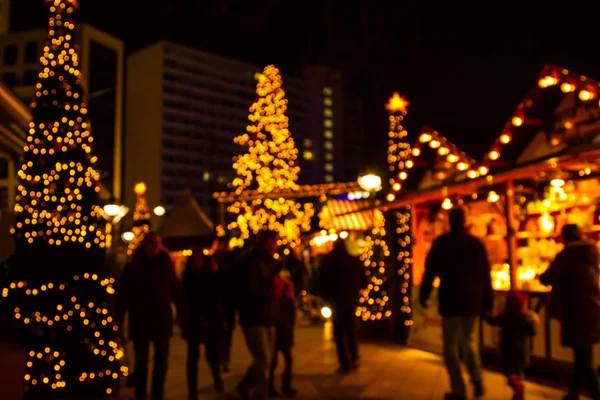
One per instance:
(259,291)
(250,287)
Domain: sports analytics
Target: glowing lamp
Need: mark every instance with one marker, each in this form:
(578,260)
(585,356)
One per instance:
(397,186)
(462,166)
(483,170)
(567,87)
(547,81)
(391,197)
(557,182)
(409,164)
(440,176)
(447,204)
(159,211)
(472,174)
(452,158)
(586,95)
(128,236)
(112,210)
(494,155)
(397,103)
(370,183)
(139,188)
(425,137)
(403,175)
(517,121)
(326,312)
(416,152)
(442,151)
(434,144)
(343,235)
(493,197)
(505,138)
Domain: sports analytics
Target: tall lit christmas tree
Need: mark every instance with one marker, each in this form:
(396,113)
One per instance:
(58,282)
(141,217)
(270,165)
(374,299)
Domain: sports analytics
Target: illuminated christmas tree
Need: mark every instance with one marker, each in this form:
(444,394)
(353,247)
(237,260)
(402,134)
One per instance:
(270,165)
(374,300)
(141,217)
(58,282)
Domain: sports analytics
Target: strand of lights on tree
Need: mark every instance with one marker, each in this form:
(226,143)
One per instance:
(374,300)
(399,160)
(141,218)
(269,165)
(49,203)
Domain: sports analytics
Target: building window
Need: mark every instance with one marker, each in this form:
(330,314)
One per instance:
(30,77)
(329,156)
(328,134)
(328,123)
(328,102)
(329,167)
(31,52)
(10,54)
(10,79)
(206,176)
(327,91)
(308,155)
(329,178)
(329,145)
(328,112)
(307,143)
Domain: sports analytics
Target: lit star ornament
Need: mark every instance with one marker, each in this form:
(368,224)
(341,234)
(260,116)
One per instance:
(397,104)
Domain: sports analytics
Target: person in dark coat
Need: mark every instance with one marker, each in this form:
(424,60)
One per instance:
(284,336)
(259,313)
(148,287)
(342,277)
(460,260)
(574,277)
(202,288)
(517,326)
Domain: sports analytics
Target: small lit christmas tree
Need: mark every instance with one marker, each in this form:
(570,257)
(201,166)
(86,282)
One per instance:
(141,217)
(374,300)
(270,165)
(58,281)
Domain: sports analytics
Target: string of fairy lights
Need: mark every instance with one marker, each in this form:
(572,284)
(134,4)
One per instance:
(56,205)
(399,162)
(141,218)
(269,165)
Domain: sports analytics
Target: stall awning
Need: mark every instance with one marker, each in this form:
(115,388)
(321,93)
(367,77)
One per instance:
(347,215)
(186,226)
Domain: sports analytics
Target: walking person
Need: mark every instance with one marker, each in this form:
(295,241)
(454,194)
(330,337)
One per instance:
(227,262)
(148,287)
(460,260)
(284,337)
(202,288)
(258,314)
(575,301)
(517,326)
(342,276)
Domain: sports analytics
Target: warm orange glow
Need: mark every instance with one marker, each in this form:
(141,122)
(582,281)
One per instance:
(397,186)
(472,174)
(139,188)
(425,137)
(416,152)
(452,158)
(391,197)
(434,144)
(494,155)
(505,138)
(567,87)
(483,170)
(462,166)
(397,103)
(547,81)
(586,95)
(517,121)
(442,151)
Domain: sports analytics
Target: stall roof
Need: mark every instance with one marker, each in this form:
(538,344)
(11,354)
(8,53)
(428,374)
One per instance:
(186,226)
(346,215)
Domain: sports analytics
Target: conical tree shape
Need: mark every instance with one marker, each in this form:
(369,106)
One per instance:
(374,300)
(269,165)
(57,283)
(141,217)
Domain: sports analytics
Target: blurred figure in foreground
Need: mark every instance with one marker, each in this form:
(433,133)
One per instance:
(202,288)
(575,301)
(258,314)
(148,287)
(461,262)
(342,278)
(517,326)
(284,336)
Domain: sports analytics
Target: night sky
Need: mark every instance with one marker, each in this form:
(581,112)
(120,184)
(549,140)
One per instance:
(464,70)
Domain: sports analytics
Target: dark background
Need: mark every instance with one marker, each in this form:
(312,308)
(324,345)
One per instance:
(464,69)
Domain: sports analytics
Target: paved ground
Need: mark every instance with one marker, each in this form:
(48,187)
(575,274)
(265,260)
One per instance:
(387,372)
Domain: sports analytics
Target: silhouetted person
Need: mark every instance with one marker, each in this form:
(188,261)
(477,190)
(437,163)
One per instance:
(342,276)
(228,263)
(148,287)
(258,313)
(516,327)
(575,300)
(461,262)
(202,288)
(284,336)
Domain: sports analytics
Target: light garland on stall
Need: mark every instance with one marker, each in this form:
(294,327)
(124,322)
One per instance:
(141,218)
(49,204)
(270,165)
(374,300)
